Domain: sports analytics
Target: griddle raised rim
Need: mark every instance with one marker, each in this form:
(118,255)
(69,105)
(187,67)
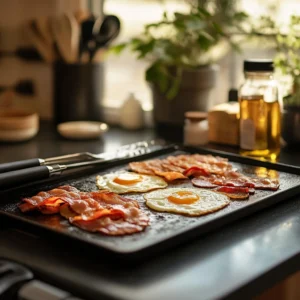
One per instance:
(196,230)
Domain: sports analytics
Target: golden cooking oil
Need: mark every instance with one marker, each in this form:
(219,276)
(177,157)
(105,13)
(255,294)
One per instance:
(259,127)
(260,112)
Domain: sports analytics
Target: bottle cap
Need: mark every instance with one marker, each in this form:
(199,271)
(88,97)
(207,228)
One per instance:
(258,65)
(196,115)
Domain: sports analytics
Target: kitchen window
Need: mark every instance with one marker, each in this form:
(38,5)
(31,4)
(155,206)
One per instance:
(124,73)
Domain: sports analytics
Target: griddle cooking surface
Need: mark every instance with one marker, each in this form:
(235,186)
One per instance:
(165,228)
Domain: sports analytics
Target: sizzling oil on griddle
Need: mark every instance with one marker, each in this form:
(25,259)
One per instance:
(164,227)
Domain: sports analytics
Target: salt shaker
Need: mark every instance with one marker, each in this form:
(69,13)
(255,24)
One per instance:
(195,128)
(132,114)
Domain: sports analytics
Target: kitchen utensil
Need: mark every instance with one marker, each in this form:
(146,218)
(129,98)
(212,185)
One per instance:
(82,15)
(75,35)
(99,56)
(83,156)
(29,54)
(45,50)
(66,33)
(86,36)
(22,176)
(22,87)
(43,27)
(81,130)
(167,230)
(108,31)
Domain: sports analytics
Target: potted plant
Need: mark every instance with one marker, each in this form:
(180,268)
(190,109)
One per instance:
(287,62)
(181,50)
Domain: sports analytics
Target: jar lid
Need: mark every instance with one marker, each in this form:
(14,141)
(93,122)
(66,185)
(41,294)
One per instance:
(196,115)
(258,65)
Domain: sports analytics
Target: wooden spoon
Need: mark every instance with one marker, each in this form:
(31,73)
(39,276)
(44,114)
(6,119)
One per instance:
(66,32)
(47,52)
(43,27)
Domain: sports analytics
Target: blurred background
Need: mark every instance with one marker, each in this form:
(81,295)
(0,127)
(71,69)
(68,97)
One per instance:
(123,73)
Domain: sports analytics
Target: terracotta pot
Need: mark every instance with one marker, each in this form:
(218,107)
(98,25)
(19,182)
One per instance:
(291,125)
(194,94)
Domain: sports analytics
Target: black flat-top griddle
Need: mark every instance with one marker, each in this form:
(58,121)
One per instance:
(166,229)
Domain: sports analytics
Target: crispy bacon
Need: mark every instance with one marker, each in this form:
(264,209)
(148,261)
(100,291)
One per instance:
(112,222)
(234,193)
(141,167)
(104,212)
(159,168)
(176,167)
(196,171)
(230,189)
(203,183)
(236,180)
(209,172)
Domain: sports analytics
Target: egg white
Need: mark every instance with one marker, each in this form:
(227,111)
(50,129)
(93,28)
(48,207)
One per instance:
(148,183)
(208,201)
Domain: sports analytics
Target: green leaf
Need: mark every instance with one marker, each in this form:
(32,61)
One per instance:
(156,73)
(175,84)
(207,36)
(240,16)
(204,42)
(180,16)
(218,28)
(117,49)
(203,12)
(173,90)
(194,24)
(165,16)
(144,48)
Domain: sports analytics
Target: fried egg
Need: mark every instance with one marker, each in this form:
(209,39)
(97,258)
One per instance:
(188,201)
(130,182)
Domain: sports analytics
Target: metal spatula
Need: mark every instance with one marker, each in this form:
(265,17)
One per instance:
(17,177)
(83,156)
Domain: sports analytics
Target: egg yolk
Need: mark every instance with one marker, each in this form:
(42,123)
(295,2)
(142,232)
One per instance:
(183,197)
(127,179)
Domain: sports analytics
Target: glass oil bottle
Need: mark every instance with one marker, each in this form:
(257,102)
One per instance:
(260,113)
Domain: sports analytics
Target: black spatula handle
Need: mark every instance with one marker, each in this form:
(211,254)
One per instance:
(15,178)
(21,164)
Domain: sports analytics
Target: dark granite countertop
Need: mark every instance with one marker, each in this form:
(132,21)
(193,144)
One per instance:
(236,262)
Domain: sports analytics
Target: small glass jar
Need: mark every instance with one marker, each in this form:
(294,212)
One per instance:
(195,128)
(260,113)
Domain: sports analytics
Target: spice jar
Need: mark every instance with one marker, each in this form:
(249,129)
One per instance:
(260,115)
(195,128)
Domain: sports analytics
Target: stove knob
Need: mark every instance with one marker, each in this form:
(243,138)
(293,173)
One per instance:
(12,276)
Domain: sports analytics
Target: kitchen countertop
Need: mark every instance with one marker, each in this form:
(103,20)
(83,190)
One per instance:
(236,262)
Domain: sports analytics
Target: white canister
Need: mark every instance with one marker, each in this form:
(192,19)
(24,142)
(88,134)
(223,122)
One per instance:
(195,128)
(132,114)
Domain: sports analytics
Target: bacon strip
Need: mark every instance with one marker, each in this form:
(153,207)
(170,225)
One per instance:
(234,193)
(176,167)
(111,222)
(195,171)
(104,212)
(213,169)
(236,180)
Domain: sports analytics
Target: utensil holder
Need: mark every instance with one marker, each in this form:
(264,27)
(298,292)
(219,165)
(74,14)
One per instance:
(78,92)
